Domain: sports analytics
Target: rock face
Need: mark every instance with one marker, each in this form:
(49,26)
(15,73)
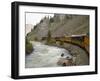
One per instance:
(42,28)
(60,25)
(75,25)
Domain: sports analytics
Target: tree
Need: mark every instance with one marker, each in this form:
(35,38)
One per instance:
(51,20)
(49,37)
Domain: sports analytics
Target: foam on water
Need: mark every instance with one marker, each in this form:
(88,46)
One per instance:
(44,56)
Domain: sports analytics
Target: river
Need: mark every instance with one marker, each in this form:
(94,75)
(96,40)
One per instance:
(44,56)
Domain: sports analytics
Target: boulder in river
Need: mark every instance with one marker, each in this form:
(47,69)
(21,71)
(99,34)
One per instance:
(65,62)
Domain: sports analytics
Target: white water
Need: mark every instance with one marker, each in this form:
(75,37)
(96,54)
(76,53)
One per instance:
(44,56)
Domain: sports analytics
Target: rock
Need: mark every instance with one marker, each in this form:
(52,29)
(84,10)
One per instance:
(62,55)
(65,62)
(74,59)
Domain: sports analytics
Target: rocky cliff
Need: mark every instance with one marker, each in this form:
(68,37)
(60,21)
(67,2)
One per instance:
(60,25)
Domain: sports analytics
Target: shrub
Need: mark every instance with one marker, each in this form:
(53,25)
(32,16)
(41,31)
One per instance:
(41,21)
(51,20)
(28,47)
(35,27)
